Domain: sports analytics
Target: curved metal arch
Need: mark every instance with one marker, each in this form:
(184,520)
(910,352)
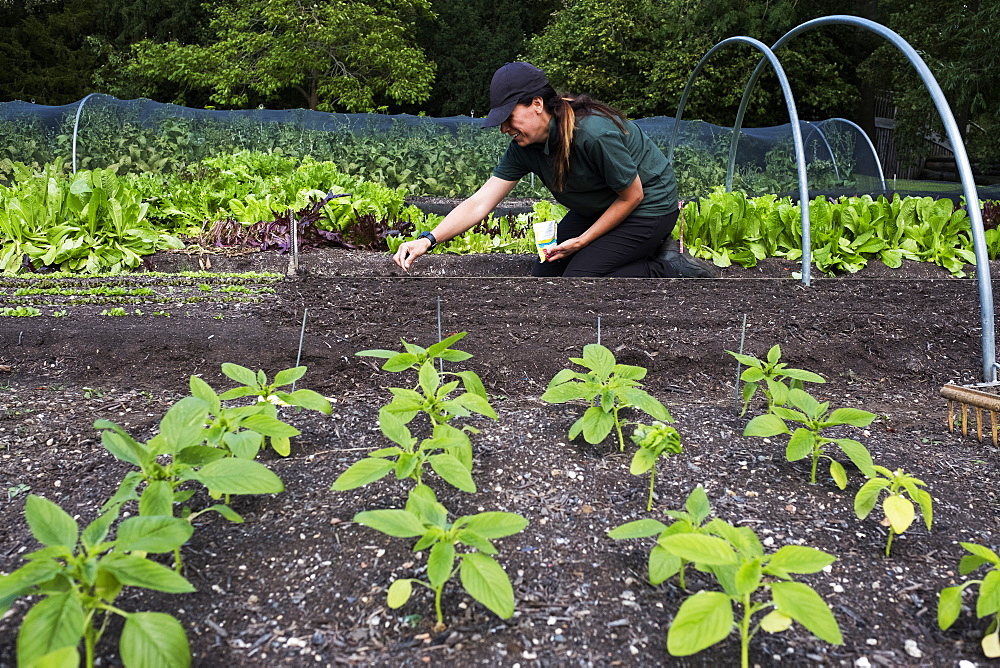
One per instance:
(76,126)
(793,117)
(868,140)
(961,161)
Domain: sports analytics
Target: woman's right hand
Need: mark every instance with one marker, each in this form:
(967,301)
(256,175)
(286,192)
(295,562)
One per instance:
(410,251)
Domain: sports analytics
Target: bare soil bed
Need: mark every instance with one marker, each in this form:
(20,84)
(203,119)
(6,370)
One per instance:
(299,584)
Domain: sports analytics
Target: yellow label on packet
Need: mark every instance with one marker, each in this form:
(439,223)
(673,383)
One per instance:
(545,236)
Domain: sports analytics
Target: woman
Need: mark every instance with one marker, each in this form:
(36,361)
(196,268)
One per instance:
(618,186)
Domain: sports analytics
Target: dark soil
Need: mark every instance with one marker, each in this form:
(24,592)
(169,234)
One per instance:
(300,584)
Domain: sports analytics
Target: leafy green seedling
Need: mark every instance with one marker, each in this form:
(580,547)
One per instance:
(79,576)
(269,396)
(663,565)
(242,431)
(431,395)
(737,559)
(177,455)
(898,509)
(608,387)
(654,441)
(448,451)
(815,416)
(988,601)
(480,574)
(769,376)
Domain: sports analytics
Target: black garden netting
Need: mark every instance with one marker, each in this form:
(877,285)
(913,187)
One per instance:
(447,157)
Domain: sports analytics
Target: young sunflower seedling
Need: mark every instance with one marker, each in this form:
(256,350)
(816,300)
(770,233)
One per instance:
(176,455)
(480,574)
(808,441)
(988,601)
(663,565)
(747,576)
(448,451)
(770,376)
(431,395)
(78,577)
(264,420)
(899,510)
(654,441)
(608,387)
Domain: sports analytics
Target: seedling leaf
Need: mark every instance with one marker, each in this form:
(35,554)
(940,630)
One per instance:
(804,605)
(486,581)
(397,523)
(702,620)
(52,624)
(154,639)
(900,513)
(50,524)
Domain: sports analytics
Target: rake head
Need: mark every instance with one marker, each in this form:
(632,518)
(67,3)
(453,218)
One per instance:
(966,397)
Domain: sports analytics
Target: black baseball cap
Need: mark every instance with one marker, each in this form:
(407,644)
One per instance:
(510,83)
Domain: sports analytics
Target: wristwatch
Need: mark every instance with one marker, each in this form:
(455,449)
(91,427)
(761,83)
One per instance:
(430,238)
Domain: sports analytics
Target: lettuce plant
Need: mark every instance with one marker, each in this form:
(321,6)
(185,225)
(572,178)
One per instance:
(769,376)
(987,602)
(448,451)
(78,576)
(808,440)
(654,441)
(663,565)
(480,574)
(751,580)
(898,509)
(608,387)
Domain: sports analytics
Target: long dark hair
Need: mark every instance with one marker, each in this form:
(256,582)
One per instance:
(566,109)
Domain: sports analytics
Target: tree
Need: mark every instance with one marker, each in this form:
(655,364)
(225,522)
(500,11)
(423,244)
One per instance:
(44,55)
(638,54)
(468,40)
(957,39)
(337,54)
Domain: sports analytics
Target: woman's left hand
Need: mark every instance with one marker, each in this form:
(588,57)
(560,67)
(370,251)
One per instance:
(564,250)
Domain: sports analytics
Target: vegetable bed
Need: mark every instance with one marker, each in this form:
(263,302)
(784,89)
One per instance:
(299,583)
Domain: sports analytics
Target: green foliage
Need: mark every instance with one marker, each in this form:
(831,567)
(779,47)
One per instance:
(343,55)
(769,376)
(808,440)
(480,574)
(243,430)
(637,55)
(607,387)
(898,509)
(847,234)
(663,565)
(654,441)
(448,449)
(78,577)
(987,602)
(20,312)
(179,454)
(93,221)
(735,556)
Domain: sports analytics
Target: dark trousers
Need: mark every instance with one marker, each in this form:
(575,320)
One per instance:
(627,251)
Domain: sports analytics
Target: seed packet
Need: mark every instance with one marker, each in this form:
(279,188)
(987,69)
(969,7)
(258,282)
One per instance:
(545,236)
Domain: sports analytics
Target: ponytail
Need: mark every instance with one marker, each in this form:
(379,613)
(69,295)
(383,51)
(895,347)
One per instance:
(566,110)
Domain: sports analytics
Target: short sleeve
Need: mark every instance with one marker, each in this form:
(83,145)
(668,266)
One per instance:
(512,165)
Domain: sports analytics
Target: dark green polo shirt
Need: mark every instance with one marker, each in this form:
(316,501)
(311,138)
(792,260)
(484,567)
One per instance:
(603,161)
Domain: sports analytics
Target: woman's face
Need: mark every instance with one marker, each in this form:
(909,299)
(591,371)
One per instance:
(528,124)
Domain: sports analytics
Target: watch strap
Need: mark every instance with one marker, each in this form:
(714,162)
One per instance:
(430,237)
